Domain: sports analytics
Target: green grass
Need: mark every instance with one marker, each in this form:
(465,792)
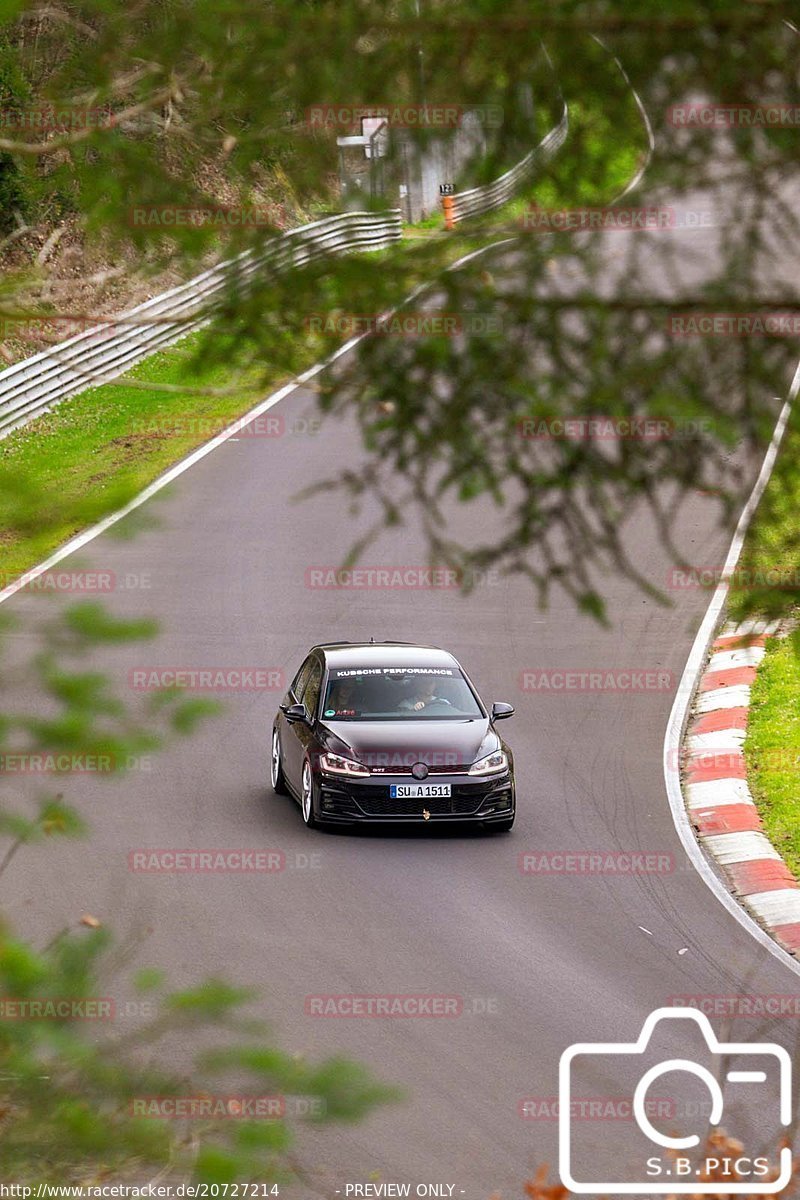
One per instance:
(98,449)
(772,746)
(605,147)
(606,162)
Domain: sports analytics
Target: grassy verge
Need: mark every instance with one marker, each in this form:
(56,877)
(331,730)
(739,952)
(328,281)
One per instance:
(609,161)
(606,144)
(772,747)
(99,448)
(771,556)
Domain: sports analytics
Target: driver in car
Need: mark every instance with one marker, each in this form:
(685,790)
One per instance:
(343,701)
(423,696)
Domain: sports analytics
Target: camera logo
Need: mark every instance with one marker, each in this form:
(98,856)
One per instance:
(763,1077)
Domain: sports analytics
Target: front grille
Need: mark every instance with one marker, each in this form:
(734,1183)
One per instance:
(437,806)
(433,769)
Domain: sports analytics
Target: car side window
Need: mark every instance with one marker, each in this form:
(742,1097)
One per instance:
(311,694)
(301,679)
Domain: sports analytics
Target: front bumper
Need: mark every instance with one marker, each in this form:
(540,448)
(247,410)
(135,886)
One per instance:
(472,799)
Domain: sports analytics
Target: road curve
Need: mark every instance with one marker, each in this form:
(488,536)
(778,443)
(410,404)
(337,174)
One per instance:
(539,960)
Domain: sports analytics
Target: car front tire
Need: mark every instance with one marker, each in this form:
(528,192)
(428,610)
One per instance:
(276,766)
(307,796)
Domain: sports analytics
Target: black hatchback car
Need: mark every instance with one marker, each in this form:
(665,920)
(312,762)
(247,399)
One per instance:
(391,732)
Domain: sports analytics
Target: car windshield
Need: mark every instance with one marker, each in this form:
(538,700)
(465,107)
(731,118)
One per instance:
(398,693)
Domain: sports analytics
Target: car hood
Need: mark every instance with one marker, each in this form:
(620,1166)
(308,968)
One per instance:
(397,745)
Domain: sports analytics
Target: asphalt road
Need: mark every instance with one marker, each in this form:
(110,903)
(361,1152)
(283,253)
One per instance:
(539,960)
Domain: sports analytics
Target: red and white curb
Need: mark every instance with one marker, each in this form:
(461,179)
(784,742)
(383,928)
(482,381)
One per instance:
(718,800)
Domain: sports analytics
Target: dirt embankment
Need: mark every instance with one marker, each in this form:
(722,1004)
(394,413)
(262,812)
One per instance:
(66,281)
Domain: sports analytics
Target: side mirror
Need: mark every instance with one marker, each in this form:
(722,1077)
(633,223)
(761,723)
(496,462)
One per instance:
(296,712)
(501,710)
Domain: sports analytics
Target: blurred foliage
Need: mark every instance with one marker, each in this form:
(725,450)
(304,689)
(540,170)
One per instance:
(582,318)
(14,93)
(766,581)
(79,1104)
(153,94)
(79,1097)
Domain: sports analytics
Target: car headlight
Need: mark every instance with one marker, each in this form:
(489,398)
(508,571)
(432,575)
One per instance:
(337,765)
(492,764)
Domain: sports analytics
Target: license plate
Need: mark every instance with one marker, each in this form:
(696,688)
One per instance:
(418,791)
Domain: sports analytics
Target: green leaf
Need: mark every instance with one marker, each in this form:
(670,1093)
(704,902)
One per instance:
(148,979)
(58,819)
(215,1166)
(90,621)
(212,999)
(187,716)
(21,969)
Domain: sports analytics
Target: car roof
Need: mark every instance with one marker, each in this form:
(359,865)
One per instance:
(394,654)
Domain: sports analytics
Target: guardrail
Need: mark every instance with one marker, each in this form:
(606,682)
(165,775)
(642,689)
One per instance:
(478,200)
(31,387)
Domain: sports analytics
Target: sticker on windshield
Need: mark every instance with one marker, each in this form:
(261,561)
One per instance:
(399,671)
